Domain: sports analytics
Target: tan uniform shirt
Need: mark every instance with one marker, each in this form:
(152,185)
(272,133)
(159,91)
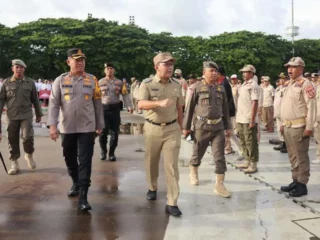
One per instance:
(248,92)
(111,91)
(153,90)
(277,101)
(235,94)
(318,103)
(210,102)
(299,102)
(19,96)
(268,94)
(79,101)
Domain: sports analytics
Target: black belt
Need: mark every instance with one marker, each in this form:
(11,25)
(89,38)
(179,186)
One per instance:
(161,124)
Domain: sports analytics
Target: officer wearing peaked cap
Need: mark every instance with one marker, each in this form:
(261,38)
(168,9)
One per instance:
(210,105)
(77,96)
(111,89)
(19,94)
(161,98)
(298,116)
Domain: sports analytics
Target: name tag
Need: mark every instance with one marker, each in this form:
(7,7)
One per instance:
(87,86)
(154,89)
(66,86)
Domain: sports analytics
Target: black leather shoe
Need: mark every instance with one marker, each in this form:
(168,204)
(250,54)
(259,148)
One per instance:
(278,148)
(299,191)
(74,190)
(103,154)
(152,195)
(275,141)
(290,187)
(284,150)
(173,210)
(83,204)
(112,158)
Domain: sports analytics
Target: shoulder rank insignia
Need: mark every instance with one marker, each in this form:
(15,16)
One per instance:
(175,80)
(147,80)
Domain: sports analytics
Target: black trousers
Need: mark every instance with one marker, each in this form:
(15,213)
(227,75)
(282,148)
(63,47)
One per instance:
(78,152)
(112,123)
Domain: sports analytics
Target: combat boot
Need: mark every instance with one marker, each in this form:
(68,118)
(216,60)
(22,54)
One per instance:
(103,154)
(243,165)
(194,180)
(278,148)
(252,168)
(29,158)
(300,190)
(14,168)
(83,204)
(290,187)
(219,187)
(74,190)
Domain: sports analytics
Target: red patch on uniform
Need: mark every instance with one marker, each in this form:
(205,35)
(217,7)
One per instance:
(310,91)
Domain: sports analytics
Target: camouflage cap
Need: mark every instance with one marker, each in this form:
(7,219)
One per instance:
(210,64)
(75,53)
(282,75)
(295,61)
(163,57)
(248,68)
(18,62)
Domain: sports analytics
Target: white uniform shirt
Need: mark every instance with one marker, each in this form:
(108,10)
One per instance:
(248,92)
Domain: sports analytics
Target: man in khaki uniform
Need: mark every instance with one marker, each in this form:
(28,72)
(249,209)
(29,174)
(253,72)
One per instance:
(162,100)
(267,105)
(298,115)
(76,96)
(132,87)
(277,107)
(19,93)
(209,104)
(317,124)
(247,119)
(183,82)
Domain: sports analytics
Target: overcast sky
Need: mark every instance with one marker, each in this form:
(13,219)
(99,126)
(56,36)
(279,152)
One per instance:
(181,17)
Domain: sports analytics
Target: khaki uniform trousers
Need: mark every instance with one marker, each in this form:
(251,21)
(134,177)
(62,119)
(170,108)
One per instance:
(27,133)
(168,140)
(317,138)
(267,117)
(298,148)
(233,139)
(278,129)
(249,141)
(200,145)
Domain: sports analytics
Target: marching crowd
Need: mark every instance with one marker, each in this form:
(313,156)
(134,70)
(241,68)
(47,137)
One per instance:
(213,109)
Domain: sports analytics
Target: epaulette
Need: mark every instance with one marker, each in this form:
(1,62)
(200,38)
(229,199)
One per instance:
(64,74)
(147,80)
(176,81)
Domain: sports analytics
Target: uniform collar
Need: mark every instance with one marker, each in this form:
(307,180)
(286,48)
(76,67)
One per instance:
(248,82)
(297,79)
(83,74)
(13,79)
(158,79)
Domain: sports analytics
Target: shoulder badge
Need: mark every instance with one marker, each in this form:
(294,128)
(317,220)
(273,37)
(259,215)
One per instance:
(176,81)
(147,80)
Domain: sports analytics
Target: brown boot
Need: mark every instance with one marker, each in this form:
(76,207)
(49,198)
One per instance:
(219,188)
(252,168)
(243,165)
(194,180)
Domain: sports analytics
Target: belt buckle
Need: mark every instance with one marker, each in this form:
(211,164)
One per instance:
(163,124)
(209,121)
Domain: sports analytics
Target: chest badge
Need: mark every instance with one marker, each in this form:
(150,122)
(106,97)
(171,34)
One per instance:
(67,97)
(86,97)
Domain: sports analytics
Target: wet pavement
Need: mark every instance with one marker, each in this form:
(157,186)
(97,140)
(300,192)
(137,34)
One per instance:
(34,204)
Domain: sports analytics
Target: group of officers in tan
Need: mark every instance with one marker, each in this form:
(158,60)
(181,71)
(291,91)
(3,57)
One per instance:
(75,94)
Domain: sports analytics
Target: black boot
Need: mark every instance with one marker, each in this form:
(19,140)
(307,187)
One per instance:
(74,190)
(290,187)
(112,158)
(103,154)
(284,149)
(299,191)
(278,148)
(83,204)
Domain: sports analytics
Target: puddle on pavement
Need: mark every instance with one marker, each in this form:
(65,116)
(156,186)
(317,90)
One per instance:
(131,129)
